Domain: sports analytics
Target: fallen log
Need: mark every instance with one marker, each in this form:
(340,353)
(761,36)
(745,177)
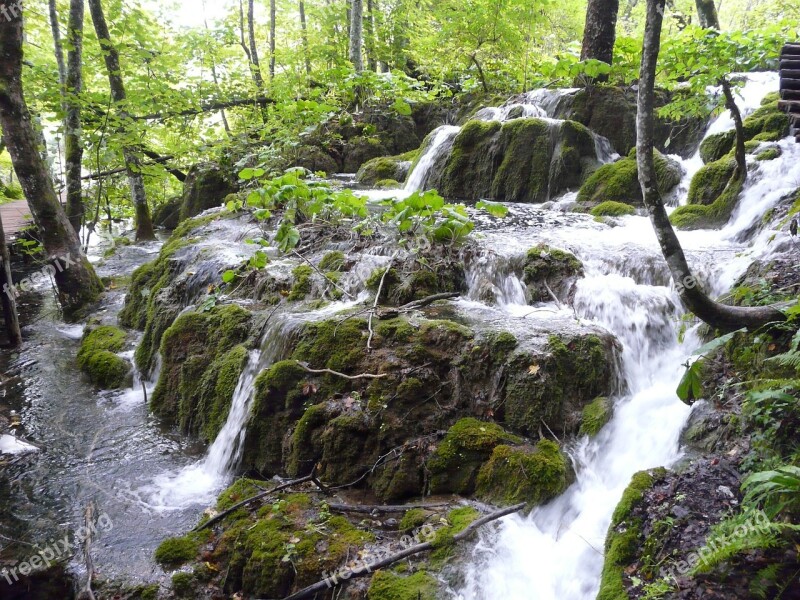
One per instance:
(368,569)
(377,508)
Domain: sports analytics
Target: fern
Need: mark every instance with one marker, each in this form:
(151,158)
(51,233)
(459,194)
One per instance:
(764,581)
(777,490)
(791,358)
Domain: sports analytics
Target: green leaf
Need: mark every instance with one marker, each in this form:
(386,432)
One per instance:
(249,173)
(493,208)
(717,343)
(228,276)
(690,389)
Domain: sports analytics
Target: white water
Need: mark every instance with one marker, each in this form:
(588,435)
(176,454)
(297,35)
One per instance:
(555,553)
(440,143)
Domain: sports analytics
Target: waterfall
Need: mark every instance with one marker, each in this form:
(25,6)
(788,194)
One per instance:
(440,144)
(556,552)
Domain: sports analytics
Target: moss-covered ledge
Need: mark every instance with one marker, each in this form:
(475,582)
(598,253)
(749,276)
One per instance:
(98,357)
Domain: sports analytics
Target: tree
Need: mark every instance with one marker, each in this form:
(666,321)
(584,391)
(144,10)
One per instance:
(76,280)
(73,86)
(144,224)
(723,317)
(356,35)
(304,35)
(8,300)
(273,18)
(600,31)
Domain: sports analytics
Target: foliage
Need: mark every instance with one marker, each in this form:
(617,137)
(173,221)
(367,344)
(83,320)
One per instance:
(777,490)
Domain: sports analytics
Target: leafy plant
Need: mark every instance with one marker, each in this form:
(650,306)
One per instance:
(778,491)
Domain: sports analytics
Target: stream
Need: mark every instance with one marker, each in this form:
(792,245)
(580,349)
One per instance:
(106,448)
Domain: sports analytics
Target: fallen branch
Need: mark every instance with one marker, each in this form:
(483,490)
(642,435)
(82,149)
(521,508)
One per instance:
(208,107)
(217,518)
(328,279)
(417,304)
(86,592)
(305,367)
(368,569)
(373,509)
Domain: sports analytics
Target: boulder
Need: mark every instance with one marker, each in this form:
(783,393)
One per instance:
(206,186)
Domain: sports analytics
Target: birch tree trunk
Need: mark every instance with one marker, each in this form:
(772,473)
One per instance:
(73,145)
(273,12)
(356,34)
(719,316)
(304,34)
(75,279)
(133,166)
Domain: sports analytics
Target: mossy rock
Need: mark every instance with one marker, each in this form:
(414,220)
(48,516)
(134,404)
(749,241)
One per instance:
(386,585)
(386,168)
(596,415)
(203,357)
(174,552)
(168,214)
(547,267)
(315,159)
(611,208)
(624,535)
(767,124)
(98,359)
(333,261)
(710,181)
(301,286)
(717,213)
(455,463)
(769,154)
(514,475)
(619,181)
(206,186)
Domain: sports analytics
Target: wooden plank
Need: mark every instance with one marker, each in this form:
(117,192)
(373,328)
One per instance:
(16,216)
(790,74)
(790,50)
(790,94)
(790,63)
(790,84)
(789,105)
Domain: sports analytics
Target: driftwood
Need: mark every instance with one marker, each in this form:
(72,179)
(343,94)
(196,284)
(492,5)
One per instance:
(305,367)
(86,592)
(373,509)
(391,313)
(326,584)
(217,518)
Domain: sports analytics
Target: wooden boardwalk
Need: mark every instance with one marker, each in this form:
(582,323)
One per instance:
(790,86)
(16,215)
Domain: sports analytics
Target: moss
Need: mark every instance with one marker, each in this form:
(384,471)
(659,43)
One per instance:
(398,330)
(386,168)
(202,360)
(455,463)
(624,533)
(458,520)
(501,344)
(183,584)
(332,345)
(412,519)
(305,440)
(430,330)
(612,209)
(710,181)
(333,261)
(514,475)
(717,146)
(174,552)
(715,214)
(388,586)
(769,154)
(470,167)
(595,416)
(388,184)
(98,359)
(619,181)
(524,173)
(302,282)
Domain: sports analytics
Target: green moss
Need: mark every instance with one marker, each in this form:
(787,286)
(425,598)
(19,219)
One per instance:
(388,586)
(223,378)
(306,440)
(455,463)
(332,345)
(183,584)
(302,282)
(458,520)
(333,261)
(715,214)
(595,416)
(174,552)
(412,519)
(769,154)
(717,146)
(514,475)
(710,181)
(98,359)
(387,168)
(524,173)
(388,184)
(398,330)
(612,209)
(619,181)
(429,330)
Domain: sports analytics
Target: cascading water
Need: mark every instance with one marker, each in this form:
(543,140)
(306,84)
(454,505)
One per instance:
(440,144)
(555,553)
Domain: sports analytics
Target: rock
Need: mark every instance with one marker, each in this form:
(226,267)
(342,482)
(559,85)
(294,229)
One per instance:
(523,160)
(710,181)
(385,168)
(596,415)
(619,181)
(206,186)
(610,208)
(315,159)
(98,357)
(168,215)
(712,197)
(610,112)
(547,270)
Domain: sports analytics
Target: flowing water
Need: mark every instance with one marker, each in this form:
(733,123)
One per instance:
(105,447)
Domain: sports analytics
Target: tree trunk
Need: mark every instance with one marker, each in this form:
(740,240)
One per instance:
(76,280)
(304,34)
(600,32)
(255,62)
(272,29)
(356,35)
(372,59)
(144,224)
(73,146)
(709,19)
(719,316)
(707,11)
(9,302)
(59,51)
(214,76)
